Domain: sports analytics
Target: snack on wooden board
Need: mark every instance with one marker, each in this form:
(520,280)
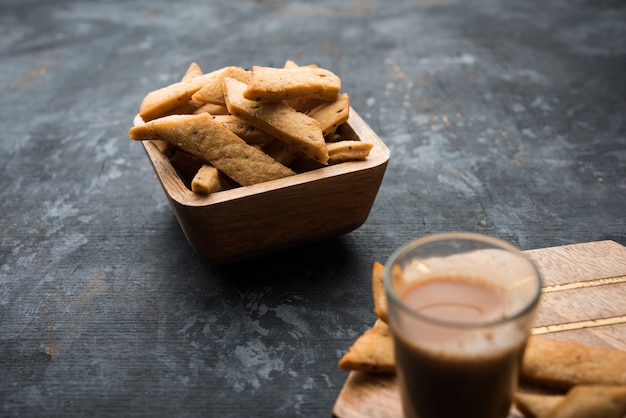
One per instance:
(536,405)
(297,110)
(544,362)
(563,364)
(583,401)
(378,291)
(595,377)
(591,401)
(372,352)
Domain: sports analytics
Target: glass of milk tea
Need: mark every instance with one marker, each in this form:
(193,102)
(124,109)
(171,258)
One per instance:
(461,307)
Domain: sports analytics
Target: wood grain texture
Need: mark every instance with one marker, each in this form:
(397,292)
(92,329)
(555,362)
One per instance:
(593,275)
(250,221)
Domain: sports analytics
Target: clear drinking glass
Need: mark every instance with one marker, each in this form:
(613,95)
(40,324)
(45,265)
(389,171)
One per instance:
(461,307)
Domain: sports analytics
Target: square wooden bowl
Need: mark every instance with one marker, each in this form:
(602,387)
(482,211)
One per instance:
(247,222)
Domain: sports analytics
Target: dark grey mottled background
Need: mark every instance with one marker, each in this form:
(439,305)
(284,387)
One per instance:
(502,117)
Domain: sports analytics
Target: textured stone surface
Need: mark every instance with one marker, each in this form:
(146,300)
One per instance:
(507,118)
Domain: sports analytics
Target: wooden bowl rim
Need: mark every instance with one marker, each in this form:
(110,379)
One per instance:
(176,189)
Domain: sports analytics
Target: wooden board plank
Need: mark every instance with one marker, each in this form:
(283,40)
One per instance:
(583,300)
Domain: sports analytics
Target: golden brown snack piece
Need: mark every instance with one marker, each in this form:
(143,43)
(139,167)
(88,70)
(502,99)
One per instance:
(203,137)
(591,401)
(206,180)
(278,84)
(555,371)
(302,104)
(277,119)
(212,91)
(192,71)
(372,352)
(536,405)
(190,106)
(186,107)
(332,114)
(342,151)
(378,291)
(563,364)
(159,102)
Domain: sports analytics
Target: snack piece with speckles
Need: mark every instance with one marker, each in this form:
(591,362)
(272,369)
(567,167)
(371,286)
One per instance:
(277,119)
(277,84)
(203,137)
(563,364)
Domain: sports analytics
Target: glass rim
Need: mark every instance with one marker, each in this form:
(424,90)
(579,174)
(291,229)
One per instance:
(497,243)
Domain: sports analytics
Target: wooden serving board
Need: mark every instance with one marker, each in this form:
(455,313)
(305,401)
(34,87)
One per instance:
(584,300)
